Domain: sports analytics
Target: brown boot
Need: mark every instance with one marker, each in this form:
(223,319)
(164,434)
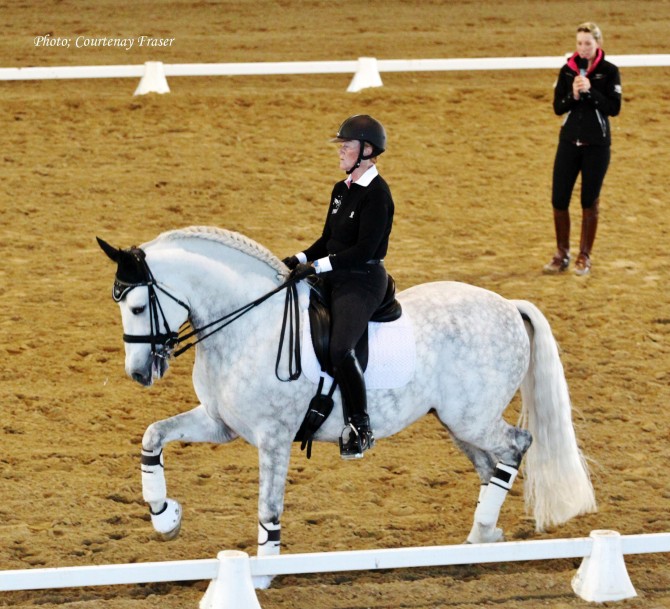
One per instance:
(589,228)
(561,259)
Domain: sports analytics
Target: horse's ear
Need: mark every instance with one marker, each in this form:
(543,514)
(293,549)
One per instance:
(110,250)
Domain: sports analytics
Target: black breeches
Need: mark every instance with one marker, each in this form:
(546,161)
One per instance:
(354,297)
(591,161)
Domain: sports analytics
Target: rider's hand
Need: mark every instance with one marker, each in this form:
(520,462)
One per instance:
(301,271)
(291,262)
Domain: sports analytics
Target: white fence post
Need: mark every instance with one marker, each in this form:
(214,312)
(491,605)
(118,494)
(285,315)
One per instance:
(602,576)
(367,75)
(154,80)
(232,588)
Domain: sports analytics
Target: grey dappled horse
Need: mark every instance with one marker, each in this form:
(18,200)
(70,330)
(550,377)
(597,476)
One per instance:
(474,350)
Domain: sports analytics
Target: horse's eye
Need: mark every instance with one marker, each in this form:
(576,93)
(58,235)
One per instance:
(137,310)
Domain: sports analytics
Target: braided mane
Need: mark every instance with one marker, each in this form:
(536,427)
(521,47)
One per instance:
(225,237)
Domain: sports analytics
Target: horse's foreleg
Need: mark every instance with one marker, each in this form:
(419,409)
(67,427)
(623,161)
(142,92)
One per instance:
(193,426)
(273,460)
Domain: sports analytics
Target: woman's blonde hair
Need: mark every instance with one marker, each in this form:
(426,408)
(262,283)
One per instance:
(591,28)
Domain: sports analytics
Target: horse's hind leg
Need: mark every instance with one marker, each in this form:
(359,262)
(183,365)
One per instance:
(497,464)
(193,426)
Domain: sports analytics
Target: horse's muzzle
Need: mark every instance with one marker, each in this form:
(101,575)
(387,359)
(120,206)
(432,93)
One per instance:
(154,370)
(142,378)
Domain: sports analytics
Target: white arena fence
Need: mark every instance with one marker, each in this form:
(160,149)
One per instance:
(602,575)
(366,70)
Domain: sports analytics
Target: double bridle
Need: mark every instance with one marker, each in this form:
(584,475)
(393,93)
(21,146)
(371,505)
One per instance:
(170,340)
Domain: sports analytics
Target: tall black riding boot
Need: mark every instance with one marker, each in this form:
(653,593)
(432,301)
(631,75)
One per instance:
(357,436)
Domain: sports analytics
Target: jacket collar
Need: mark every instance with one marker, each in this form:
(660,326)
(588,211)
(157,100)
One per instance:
(367,177)
(572,62)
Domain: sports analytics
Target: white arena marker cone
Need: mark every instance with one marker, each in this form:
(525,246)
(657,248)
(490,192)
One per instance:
(154,80)
(233,587)
(602,576)
(367,75)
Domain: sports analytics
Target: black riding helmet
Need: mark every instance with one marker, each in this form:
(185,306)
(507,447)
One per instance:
(363,128)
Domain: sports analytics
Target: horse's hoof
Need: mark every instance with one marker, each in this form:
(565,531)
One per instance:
(173,534)
(167,522)
(262,582)
(481,534)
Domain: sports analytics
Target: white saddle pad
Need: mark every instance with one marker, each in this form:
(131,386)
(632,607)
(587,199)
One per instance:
(391,360)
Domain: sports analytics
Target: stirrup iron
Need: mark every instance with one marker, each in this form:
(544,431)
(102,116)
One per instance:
(357,442)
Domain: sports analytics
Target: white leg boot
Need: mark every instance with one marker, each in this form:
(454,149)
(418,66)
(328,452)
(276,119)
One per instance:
(491,498)
(165,513)
(269,544)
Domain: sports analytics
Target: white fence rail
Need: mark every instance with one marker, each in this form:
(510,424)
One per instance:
(433,556)
(318,67)
(366,70)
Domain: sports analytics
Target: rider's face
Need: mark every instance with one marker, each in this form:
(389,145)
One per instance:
(348,152)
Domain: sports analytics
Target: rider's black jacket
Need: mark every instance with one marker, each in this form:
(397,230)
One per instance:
(357,227)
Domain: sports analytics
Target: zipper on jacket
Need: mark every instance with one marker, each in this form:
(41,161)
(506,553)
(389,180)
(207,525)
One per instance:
(603,124)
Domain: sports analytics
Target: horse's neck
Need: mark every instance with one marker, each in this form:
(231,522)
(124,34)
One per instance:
(214,287)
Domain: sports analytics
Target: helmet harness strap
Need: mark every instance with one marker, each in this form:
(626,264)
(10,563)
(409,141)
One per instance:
(361,157)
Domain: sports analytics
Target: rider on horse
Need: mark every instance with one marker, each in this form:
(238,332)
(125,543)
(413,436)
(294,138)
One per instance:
(349,255)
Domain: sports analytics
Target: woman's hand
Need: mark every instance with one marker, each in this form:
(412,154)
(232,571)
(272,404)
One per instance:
(580,84)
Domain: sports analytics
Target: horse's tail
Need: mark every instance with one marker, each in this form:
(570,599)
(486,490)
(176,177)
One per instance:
(557,483)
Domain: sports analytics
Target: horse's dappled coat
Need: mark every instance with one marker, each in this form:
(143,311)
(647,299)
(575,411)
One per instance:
(473,352)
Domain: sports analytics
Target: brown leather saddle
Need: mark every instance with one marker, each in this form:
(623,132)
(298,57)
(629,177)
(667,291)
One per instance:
(319,321)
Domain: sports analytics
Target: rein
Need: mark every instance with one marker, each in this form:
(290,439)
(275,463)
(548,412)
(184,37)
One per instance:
(169,339)
(291,317)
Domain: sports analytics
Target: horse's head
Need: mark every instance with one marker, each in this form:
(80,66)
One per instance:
(150,314)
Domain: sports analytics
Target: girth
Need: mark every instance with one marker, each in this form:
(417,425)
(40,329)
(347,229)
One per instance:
(319,321)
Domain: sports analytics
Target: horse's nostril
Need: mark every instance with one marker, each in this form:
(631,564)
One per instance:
(139,378)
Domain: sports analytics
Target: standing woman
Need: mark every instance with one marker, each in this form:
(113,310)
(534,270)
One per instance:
(350,256)
(589,91)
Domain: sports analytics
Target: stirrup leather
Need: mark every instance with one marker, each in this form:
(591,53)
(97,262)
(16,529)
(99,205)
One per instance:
(358,440)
